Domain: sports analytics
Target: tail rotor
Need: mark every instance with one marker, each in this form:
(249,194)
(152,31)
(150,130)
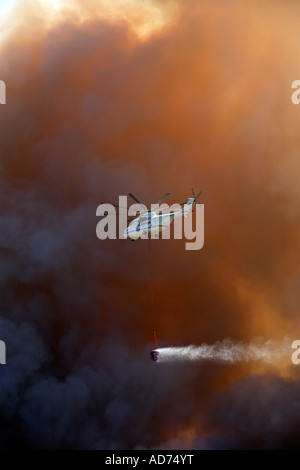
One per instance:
(196,197)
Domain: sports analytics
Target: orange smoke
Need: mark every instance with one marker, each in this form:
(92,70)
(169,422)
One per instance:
(106,98)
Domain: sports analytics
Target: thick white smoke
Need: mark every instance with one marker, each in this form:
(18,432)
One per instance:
(229,351)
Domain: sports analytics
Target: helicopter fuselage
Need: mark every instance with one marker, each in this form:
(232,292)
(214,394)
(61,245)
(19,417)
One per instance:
(153,223)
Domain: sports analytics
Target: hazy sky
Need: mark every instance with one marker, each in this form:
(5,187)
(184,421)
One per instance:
(106,98)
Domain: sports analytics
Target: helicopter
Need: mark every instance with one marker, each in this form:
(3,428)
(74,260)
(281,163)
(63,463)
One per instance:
(155,221)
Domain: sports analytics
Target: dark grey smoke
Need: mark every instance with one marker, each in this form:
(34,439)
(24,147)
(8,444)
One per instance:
(259,412)
(92,113)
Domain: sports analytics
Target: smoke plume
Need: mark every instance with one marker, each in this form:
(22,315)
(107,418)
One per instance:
(105,98)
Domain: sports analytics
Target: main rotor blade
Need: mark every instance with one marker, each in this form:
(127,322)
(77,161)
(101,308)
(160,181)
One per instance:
(160,201)
(163,198)
(198,195)
(134,198)
(193,193)
(115,205)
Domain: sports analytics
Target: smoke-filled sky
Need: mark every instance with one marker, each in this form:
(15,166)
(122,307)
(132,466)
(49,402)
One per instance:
(106,98)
